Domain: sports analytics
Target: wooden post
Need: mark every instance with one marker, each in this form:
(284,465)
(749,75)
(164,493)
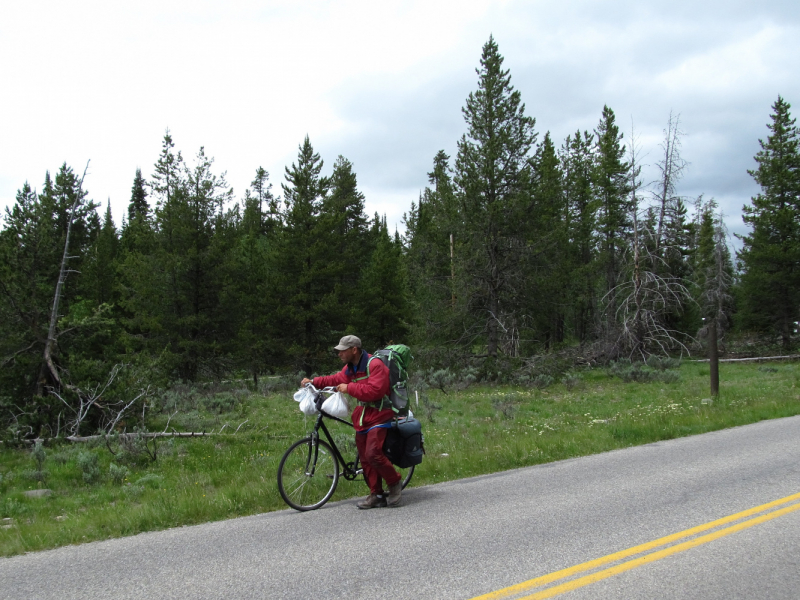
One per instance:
(713,357)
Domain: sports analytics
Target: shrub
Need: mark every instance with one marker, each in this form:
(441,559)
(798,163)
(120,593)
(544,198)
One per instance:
(670,377)
(542,381)
(11,508)
(39,455)
(219,403)
(505,407)
(90,470)
(662,363)
(440,379)
(133,491)
(429,408)
(640,372)
(572,380)
(279,383)
(138,445)
(150,480)
(118,474)
(6,479)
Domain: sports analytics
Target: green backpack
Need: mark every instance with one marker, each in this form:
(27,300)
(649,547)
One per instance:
(396,358)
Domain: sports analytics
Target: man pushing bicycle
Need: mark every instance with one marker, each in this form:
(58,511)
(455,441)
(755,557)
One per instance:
(367,381)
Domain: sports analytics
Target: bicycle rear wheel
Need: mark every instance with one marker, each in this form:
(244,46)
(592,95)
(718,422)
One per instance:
(307,479)
(406,474)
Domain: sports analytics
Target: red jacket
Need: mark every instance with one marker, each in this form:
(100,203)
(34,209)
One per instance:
(370,389)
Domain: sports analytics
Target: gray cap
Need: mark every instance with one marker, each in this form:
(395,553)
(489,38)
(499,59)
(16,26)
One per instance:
(348,341)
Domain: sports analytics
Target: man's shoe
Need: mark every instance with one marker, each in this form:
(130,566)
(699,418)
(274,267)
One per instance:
(393,498)
(372,501)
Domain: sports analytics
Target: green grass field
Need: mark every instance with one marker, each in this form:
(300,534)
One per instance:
(475,431)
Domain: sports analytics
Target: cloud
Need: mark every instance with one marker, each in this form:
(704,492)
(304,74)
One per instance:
(382,84)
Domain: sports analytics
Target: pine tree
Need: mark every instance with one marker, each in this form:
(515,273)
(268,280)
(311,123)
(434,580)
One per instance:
(153,263)
(676,250)
(611,181)
(303,261)
(193,257)
(546,268)
(382,302)
(713,267)
(577,164)
(343,228)
(770,257)
(261,211)
(492,176)
(175,291)
(437,314)
(141,283)
(138,207)
(253,296)
(41,288)
(167,179)
(28,268)
(100,274)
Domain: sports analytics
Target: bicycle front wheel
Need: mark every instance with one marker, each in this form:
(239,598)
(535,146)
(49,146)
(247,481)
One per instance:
(307,475)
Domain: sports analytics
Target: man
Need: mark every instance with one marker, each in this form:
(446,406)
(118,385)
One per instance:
(367,381)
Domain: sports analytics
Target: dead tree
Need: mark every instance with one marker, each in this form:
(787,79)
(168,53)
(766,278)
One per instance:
(52,334)
(671,167)
(645,297)
(85,400)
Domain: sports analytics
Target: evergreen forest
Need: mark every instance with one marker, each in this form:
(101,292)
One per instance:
(522,251)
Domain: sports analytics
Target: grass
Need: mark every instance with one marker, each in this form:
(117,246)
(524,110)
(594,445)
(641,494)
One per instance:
(475,431)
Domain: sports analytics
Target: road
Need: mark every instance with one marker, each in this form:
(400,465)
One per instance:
(480,536)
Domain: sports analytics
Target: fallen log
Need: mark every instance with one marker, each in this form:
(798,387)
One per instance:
(754,358)
(89,438)
(156,434)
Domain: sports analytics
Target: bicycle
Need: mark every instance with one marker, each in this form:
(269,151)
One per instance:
(309,470)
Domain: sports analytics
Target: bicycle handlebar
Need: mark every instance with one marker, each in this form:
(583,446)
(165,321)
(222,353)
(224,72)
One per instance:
(330,390)
(326,390)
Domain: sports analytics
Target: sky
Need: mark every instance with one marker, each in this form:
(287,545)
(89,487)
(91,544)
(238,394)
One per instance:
(380,83)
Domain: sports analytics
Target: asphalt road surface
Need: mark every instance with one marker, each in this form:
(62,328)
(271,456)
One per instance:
(726,502)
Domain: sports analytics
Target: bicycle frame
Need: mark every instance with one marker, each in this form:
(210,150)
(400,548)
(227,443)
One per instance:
(349,470)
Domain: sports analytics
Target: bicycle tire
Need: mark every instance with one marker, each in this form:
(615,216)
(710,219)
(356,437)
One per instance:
(406,474)
(297,487)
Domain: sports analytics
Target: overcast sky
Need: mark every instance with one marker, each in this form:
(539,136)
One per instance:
(381,83)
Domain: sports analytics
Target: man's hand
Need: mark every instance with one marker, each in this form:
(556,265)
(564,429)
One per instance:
(305,381)
(342,387)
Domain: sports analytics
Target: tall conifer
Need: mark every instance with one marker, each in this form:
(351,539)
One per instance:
(612,188)
(303,260)
(770,256)
(492,176)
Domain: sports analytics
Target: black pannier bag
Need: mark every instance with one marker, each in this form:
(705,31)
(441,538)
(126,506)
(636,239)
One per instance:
(404,443)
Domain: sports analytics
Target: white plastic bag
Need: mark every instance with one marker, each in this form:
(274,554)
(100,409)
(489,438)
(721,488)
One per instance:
(336,405)
(300,394)
(307,405)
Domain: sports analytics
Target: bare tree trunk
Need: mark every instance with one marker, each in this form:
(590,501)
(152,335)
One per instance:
(52,338)
(671,167)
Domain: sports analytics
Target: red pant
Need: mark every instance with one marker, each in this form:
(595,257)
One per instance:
(374,462)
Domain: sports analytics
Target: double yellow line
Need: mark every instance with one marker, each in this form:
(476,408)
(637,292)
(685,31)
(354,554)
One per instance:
(573,584)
